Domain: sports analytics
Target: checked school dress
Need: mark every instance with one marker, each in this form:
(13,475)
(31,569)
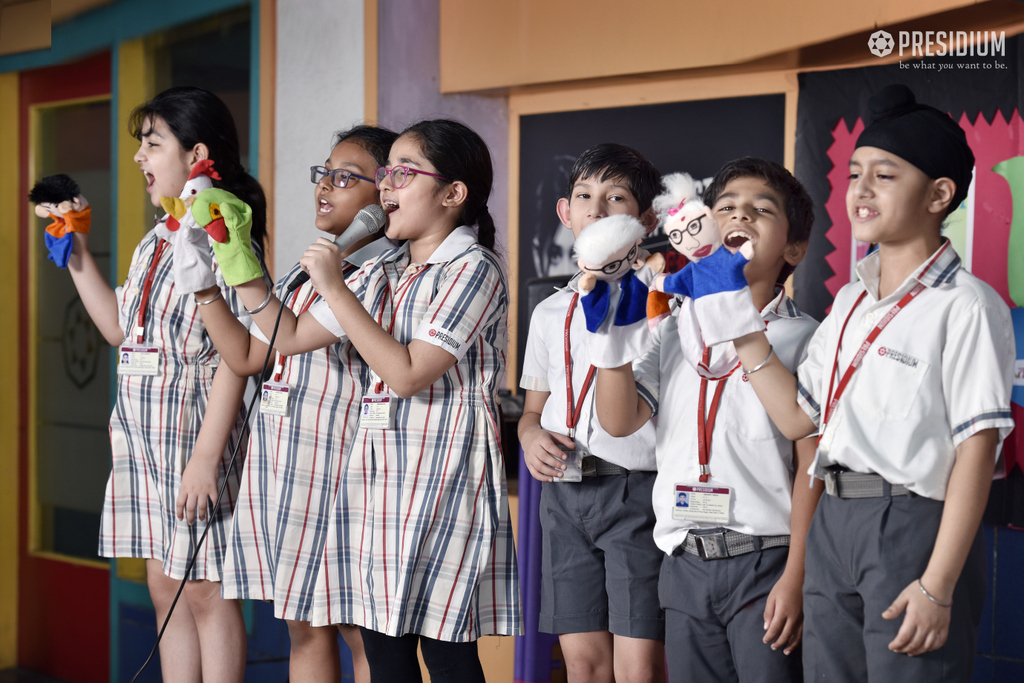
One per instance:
(420,540)
(155,424)
(293,469)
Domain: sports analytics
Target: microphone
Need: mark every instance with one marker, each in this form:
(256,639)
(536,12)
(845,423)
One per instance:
(368,221)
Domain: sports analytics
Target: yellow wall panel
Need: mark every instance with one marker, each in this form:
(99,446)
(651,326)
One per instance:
(10,203)
(503,44)
(134,86)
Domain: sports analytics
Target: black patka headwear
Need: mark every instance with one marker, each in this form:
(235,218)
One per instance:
(922,135)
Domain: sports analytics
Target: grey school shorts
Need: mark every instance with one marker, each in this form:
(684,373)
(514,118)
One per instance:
(600,564)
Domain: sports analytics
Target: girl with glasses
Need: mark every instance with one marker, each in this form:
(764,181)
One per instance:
(419,551)
(306,421)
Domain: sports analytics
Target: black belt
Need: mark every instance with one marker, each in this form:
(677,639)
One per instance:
(594,466)
(843,483)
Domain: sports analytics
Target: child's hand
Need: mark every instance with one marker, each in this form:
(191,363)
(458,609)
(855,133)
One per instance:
(198,488)
(784,614)
(926,625)
(323,262)
(544,458)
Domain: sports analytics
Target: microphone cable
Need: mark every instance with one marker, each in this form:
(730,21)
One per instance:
(220,494)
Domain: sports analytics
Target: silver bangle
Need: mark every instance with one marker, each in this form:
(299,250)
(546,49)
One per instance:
(208,301)
(771,352)
(931,597)
(270,293)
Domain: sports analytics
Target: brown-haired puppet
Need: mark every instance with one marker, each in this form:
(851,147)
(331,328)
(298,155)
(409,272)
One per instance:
(59,197)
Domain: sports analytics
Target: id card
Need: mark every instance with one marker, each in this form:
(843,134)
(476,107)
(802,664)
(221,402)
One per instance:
(138,359)
(377,412)
(573,472)
(275,399)
(702,503)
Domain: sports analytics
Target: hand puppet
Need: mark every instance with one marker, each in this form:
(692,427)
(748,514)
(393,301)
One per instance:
(59,197)
(608,253)
(220,212)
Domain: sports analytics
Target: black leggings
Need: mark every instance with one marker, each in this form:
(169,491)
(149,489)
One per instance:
(393,660)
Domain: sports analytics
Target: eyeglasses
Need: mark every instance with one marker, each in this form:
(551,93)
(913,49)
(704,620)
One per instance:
(400,175)
(692,229)
(613,267)
(339,176)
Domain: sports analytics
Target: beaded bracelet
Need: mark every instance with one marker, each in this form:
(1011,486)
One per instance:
(208,301)
(930,596)
(771,352)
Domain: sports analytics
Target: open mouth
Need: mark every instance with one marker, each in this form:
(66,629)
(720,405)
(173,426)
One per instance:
(736,239)
(389,205)
(322,207)
(864,212)
(150,179)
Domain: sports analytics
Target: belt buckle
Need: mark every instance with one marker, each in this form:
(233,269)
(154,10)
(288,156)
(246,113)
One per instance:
(588,465)
(832,483)
(712,546)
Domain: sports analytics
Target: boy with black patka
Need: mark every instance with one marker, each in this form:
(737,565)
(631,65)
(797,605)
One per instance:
(600,563)
(908,381)
(731,520)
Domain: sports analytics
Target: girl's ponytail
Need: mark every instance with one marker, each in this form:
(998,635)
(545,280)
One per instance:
(458,153)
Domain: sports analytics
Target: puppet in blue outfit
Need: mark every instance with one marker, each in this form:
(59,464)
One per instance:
(609,254)
(692,230)
(58,197)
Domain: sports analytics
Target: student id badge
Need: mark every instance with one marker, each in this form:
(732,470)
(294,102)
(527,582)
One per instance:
(138,359)
(573,472)
(275,399)
(377,410)
(702,503)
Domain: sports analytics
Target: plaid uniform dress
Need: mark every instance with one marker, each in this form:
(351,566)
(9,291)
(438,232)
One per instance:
(292,474)
(420,540)
(155,424)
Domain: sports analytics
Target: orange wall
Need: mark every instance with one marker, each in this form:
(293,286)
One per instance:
(488,45)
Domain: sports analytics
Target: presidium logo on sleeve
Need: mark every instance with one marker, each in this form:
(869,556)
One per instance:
(898,356)
(445,339)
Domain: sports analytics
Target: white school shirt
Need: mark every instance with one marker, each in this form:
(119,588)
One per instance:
(748,453)
(544,370)
(941,371)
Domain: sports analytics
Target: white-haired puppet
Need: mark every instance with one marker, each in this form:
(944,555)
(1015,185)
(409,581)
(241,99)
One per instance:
(693,231)
(193,261)
(58,197)
(608,251)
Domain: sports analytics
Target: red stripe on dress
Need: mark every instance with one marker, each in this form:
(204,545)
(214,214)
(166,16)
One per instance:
(312,477)
(462,560)
(447,293)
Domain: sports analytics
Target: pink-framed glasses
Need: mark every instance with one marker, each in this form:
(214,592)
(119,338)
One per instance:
(400,175)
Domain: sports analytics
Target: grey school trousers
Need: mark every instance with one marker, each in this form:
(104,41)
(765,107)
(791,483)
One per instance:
(860,555)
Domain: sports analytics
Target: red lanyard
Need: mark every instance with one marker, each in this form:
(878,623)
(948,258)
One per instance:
(394,308)
(281,358)
(833,399)
(706,425)
(147,285)
(572,417)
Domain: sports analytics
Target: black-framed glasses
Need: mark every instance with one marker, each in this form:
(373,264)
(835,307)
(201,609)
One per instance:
(339,176)
(400,175)
(613,267)
(692,229)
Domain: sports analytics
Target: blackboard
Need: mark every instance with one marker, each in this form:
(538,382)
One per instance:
(696,137)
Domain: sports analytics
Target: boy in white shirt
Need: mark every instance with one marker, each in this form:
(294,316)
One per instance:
(731,519)
(908,381)
(600,563)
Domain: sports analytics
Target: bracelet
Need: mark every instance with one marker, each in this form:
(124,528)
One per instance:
(931,597)
(208,301)
(771,352)
(270,293)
